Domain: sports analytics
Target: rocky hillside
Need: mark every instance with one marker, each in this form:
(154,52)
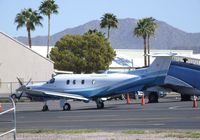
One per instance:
(166,37)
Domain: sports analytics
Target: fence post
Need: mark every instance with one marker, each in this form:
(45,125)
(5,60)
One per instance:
(11,88)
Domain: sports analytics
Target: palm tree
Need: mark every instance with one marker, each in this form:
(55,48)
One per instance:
(141,31)
(94,31)
(47,8)
(110,21)
(151,31)
(30,19)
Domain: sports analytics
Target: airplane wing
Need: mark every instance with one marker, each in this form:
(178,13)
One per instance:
(64,95)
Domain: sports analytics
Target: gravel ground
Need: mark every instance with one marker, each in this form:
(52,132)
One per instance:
(99,136)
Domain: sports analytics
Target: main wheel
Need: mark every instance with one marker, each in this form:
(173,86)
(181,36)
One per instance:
(153,97)
(45,108)
(66,107)
(100,105)
(185,97)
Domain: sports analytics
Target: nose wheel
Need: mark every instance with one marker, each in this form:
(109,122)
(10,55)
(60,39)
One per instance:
(45,108)
(66,107)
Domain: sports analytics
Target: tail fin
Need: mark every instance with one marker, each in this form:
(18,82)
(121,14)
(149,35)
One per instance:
(161,64)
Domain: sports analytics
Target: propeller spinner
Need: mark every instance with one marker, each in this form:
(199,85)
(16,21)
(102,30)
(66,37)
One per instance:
(22,89)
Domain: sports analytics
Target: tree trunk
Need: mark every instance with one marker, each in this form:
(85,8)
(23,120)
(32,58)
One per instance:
(29,38)
(48,40)
(145,53)
(148,50)
(108,32)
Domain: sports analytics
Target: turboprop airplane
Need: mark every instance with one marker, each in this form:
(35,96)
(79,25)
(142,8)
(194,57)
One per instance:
(94,87)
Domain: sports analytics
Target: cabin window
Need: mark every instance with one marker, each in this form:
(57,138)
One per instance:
(93,82)
(74,82)
(68,81)
(52,81)
(83,82)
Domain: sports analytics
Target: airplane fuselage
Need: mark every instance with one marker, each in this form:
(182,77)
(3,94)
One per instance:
(87,87)
(98,85)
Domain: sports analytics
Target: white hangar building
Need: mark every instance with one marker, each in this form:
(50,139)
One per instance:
(127,59)
(17,60)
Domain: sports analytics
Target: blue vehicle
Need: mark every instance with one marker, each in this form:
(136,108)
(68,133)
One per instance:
(183,77)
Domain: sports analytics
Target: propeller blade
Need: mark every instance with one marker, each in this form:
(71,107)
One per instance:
(22,87)
(28,82)
(20,95)
(20,82)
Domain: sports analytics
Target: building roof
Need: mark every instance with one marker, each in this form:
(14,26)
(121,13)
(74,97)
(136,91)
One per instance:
(126,57)
(26,47)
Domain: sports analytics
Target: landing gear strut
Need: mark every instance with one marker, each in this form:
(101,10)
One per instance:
(66,107)
(153,97)
(100,104)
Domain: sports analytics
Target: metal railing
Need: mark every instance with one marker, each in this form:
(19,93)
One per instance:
(187,60)
(14,118)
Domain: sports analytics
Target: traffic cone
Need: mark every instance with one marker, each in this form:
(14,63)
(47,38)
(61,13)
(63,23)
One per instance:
(1,108)
(143,100)
(128,99)
(195,104)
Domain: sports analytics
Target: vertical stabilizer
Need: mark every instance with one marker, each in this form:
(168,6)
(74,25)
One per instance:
(161,64)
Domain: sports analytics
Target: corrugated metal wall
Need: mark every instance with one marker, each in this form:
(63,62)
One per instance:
(16,60)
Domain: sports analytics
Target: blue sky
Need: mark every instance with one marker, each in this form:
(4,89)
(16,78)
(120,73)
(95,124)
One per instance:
(182,14)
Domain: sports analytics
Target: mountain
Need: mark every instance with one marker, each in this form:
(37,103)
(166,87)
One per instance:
(166,36)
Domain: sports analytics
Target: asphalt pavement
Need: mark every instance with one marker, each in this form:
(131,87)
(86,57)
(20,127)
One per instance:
(170,113)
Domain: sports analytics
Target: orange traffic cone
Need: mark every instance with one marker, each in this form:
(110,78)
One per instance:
(143,100)
(1,108)
(195,104)
(128,99)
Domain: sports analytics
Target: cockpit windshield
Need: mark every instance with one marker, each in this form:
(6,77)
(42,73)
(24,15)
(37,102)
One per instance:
(51,81)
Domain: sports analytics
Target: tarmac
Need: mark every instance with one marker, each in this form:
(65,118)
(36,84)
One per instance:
(169,113)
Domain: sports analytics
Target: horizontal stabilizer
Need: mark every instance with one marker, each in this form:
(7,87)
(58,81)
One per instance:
(162,54)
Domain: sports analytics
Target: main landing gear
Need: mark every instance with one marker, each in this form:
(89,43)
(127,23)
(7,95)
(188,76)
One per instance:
(66,107)
(45,107)
(153,97)
(185,97)
(100,104)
